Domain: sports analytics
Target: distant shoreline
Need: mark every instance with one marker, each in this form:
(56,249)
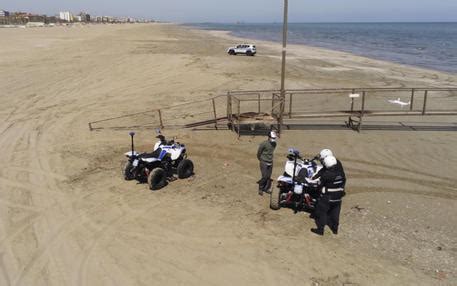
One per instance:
(402,46)
(43,25)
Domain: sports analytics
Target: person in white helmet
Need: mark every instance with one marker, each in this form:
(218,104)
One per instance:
(332,182)
(265,157)
(324,153)
(321,156)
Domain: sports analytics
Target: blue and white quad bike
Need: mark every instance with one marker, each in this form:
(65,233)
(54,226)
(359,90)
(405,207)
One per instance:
(158,167)
(295,188)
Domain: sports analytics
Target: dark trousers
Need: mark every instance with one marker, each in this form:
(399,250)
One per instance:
(265,182)
(327,213)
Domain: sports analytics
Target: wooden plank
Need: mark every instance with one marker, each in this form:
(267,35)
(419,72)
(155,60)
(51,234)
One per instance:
(370,113)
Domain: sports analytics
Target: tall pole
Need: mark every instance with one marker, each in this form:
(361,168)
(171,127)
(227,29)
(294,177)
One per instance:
(283,69)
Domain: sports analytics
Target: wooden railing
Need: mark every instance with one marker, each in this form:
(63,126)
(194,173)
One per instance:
(238,108)
(312,100)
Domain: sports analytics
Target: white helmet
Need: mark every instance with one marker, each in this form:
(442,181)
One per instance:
(329,161)
(324,153)
(272,135)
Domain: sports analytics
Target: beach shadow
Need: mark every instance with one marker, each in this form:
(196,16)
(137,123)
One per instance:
(262,130)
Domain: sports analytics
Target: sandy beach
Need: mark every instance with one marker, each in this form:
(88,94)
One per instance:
(67,217)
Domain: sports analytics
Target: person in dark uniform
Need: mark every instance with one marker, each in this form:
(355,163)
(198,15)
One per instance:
(321,156)
(265,157)
(332,181)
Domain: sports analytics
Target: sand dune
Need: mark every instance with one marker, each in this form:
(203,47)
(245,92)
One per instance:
(68,218)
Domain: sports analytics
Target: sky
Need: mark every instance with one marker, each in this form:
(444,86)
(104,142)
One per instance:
(251,11)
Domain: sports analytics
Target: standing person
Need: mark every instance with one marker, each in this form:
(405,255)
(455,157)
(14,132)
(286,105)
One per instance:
(332,181)
(322,155)
(265,157)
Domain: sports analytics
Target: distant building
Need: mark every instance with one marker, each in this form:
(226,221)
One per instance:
(107,19)
(51,20)
(37,18)
(84,17)
(4,13)
(18,18)
(66,16)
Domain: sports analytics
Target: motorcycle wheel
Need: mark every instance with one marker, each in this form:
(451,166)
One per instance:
(127,171)
(185,169)
(274,199)
(157,179)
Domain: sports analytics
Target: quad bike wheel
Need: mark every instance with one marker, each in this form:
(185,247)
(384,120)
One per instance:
(185,169)
(274,199)
(127,171)
(157,179)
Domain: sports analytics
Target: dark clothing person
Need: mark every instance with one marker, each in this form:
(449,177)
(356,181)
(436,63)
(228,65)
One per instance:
(327,213)
(332,181)
(338,166)
(265,182)
(265,157)
(265,151)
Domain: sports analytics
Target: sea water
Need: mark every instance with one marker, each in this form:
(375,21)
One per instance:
(427,45)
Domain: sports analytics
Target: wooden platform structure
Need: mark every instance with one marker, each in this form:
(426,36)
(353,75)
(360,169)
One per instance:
(355,104)
(258,111)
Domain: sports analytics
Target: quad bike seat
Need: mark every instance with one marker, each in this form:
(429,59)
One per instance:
(153,154)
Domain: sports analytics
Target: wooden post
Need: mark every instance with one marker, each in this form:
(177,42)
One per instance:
(229,103)
(281,113)
(229,110)
(215,116)
(411,101)
(160,118)
(361,112)
(283,66)
(258,98)
(233,115)
(239,118)
(290,105)
(272,103)
(425,102)
(349,123)
(352,101)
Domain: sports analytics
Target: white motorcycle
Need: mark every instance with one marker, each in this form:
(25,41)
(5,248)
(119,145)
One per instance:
(158,167)
(295,188)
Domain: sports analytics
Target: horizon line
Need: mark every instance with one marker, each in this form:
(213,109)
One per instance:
(326,22)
